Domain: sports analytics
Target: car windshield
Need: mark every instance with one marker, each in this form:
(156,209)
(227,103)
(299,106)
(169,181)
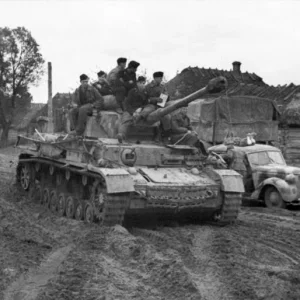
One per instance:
(266,158)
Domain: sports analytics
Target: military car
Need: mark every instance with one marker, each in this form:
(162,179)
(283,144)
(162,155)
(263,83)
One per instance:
(268,177)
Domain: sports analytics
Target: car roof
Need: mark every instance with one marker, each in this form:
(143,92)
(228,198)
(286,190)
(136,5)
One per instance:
(247,149)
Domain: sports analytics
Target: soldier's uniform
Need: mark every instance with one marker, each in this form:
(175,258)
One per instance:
(153,90)
(126,80)
(103,87)
(135,99)
(86,97)
(235,161)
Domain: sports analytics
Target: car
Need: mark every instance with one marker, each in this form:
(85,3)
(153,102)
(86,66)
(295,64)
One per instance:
(268,177)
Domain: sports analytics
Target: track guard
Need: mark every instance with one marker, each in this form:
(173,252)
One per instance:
(117,180)
(231,181)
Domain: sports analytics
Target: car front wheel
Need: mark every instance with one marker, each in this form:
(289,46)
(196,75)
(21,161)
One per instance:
(273,198)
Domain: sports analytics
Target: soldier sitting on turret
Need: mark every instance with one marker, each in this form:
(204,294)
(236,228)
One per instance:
(181,132)
(102,84)
(85,99)
(136,99)
(154,89)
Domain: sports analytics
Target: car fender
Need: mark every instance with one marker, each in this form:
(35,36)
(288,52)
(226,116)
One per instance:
(288,191)
(231,181)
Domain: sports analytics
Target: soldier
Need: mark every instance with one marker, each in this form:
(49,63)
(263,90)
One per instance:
(86,98)
(181,132)
(154,89)
(113,74)
(235,160)
(102,84)
(126,80)
(136,99)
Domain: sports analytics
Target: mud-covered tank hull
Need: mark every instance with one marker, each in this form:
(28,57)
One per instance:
(80,185)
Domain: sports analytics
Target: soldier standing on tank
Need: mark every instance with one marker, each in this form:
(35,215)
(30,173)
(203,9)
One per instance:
(136,99)
(102,84)
(126,80)
(113,74)
(154,89)
(85,99)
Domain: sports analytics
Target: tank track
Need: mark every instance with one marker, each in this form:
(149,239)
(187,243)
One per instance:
(49,181)
(230,209)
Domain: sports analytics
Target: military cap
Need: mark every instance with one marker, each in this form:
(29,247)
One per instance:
(83,77)
(158,74)
(100,73)
(133,64)
(141,79)
(121,60)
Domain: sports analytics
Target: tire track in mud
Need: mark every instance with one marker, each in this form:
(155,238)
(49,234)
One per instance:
(28,286)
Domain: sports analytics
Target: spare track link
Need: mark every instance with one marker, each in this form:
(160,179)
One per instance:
(114,209)
(231,206)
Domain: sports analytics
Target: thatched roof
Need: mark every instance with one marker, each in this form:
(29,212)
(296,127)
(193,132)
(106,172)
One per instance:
(192,79)
(291,114)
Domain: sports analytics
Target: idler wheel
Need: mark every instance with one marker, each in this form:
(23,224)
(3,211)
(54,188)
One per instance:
(89,214)
(25,177)
(61,205)
(79,212)
(70,207)
(53,201)
(46,197)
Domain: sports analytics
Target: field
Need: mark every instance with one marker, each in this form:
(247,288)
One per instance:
(44,256)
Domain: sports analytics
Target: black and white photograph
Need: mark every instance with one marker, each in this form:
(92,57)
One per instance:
(149,150)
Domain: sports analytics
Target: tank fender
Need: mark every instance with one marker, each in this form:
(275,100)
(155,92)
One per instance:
(117,180)
(288,191)
(231,181)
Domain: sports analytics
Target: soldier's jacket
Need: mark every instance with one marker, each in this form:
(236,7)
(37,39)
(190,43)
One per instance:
(135,100)
(87,94)
(113,75)
(153,91)
(235,160)
(103,87)
(124,77)
(180,122)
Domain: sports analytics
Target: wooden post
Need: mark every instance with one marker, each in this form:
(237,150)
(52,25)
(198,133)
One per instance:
(50,106)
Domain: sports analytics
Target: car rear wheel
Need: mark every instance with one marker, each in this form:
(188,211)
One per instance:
(273,198)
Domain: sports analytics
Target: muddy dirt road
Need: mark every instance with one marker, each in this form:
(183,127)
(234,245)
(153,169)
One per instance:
(44,256)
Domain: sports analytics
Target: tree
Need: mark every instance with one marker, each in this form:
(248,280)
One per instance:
(21,65)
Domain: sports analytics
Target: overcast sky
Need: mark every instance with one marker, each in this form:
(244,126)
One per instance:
(163,35)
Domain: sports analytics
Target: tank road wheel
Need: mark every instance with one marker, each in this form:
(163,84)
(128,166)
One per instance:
(79,211)
(70,207)
(25,177)
(46,197)
(51,170)
(35,192)
(273,198)
(89,215)
(53,201)
(230,208)
(61,205)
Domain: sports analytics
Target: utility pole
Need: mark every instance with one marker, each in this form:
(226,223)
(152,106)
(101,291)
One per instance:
(50,106)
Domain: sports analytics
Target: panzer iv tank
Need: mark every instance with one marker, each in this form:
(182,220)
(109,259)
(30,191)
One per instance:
(96,178)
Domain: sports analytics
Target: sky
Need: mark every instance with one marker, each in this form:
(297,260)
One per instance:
(163,35)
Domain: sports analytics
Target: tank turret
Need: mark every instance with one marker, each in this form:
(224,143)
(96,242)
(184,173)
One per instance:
(214,86)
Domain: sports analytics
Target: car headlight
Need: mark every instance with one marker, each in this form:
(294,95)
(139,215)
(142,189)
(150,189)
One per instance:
(290,178)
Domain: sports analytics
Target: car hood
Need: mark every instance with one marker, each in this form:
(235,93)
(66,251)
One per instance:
(278,169)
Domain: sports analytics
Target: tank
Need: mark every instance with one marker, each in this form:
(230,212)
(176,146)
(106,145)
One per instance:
(95,178)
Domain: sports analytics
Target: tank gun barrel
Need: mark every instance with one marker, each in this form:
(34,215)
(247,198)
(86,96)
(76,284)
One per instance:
(214,86)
